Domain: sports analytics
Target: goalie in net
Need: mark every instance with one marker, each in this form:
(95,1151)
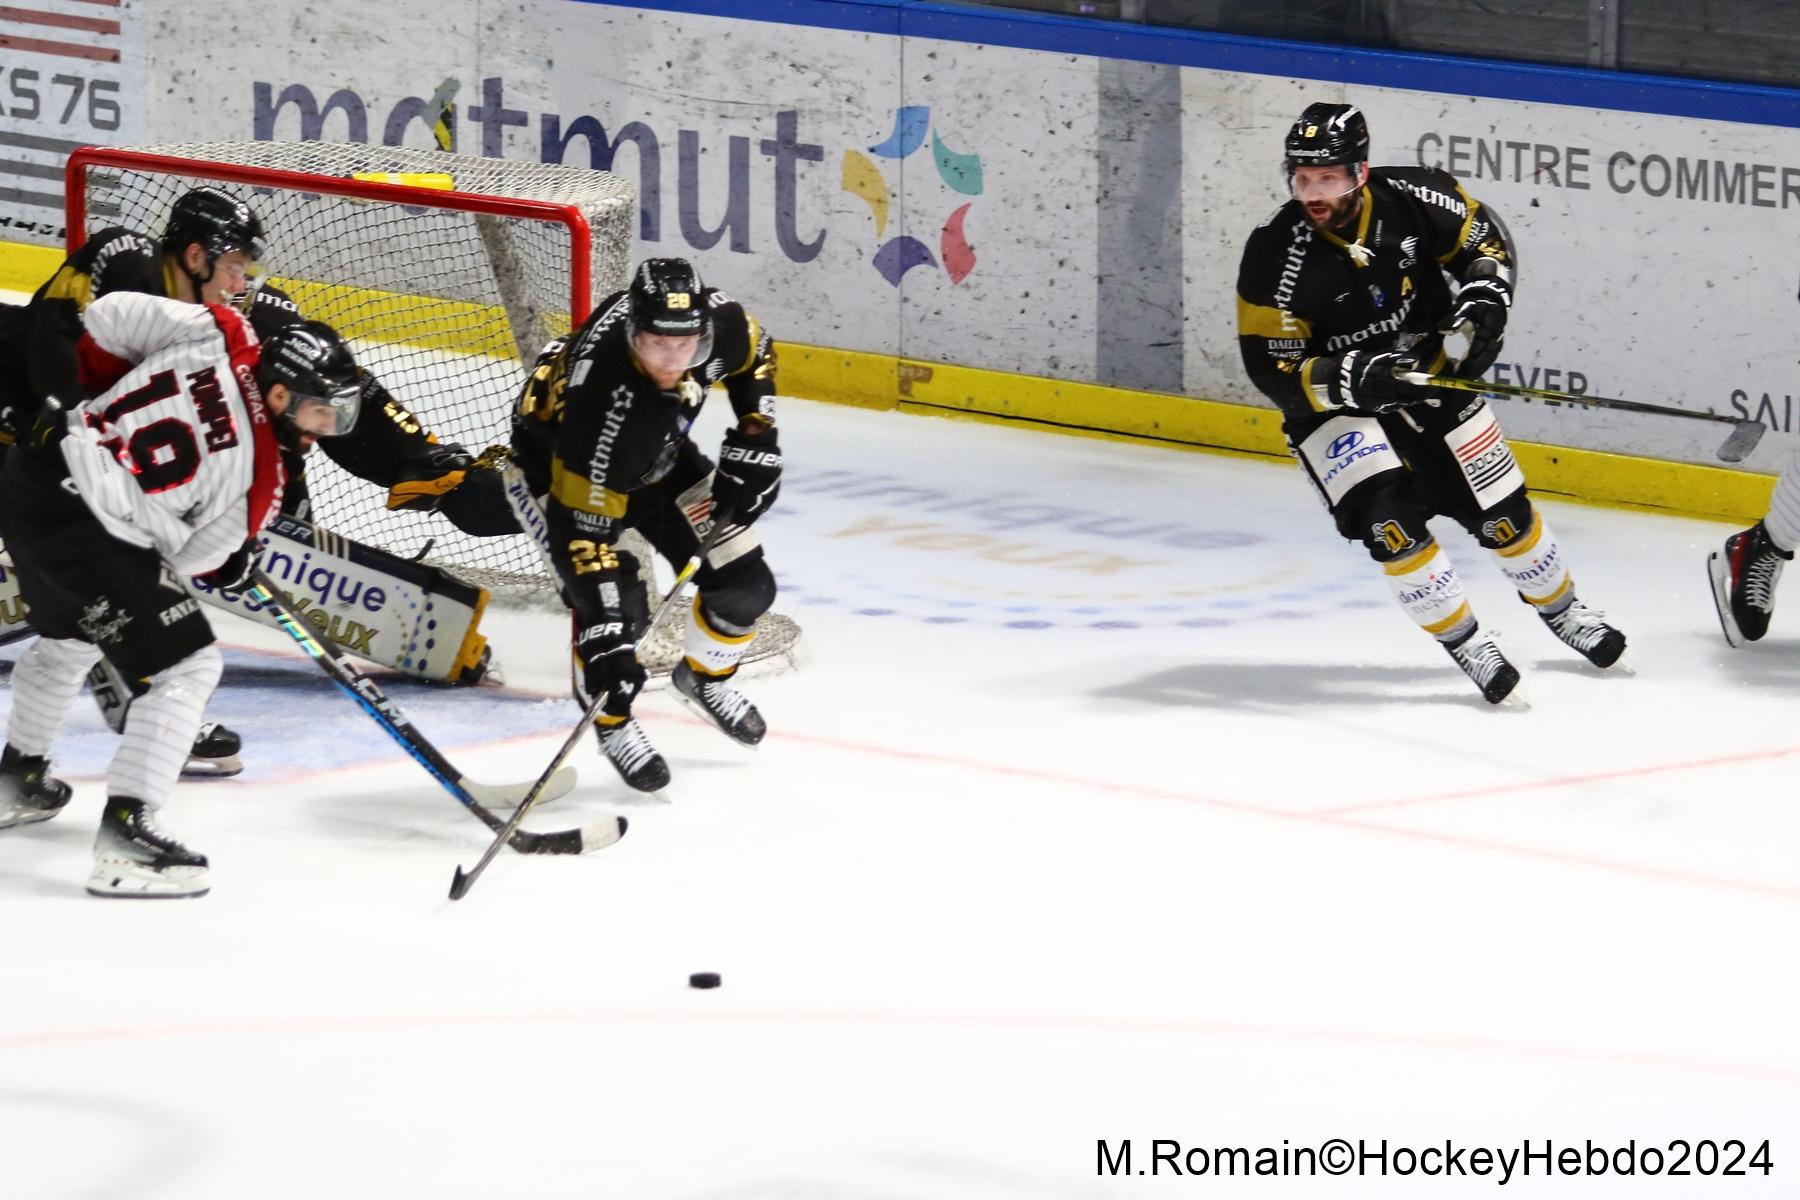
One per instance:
(601,446)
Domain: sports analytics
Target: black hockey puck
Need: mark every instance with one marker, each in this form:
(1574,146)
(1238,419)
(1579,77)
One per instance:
(704,979)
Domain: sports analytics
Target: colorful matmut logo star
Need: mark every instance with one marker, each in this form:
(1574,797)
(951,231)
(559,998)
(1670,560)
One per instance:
(960,172)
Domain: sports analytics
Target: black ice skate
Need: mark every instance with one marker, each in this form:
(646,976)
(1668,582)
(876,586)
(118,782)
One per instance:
(721,704)
(27,791)
(1482,662)
(632,755)
(1743,575)
(1586,632)
(133,858)
(214,754)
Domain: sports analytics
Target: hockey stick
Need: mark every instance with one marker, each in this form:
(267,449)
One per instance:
(476,797)
(462,881)
(1745,434)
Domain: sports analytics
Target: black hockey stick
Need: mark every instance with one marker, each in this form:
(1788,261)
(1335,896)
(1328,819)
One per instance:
(462,881)
(476,797)
(1744,436)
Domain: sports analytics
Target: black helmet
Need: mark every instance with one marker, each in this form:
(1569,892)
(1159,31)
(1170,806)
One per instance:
(1328,135)
(316,365)
(667,298)
(217,220)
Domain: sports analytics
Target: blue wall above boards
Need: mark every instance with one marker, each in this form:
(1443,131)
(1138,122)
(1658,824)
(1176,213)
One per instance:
(1619,91)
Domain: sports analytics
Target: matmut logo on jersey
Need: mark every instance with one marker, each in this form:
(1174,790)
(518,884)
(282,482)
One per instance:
(961,173)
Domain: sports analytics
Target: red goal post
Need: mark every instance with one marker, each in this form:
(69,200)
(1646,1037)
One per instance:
(446,272)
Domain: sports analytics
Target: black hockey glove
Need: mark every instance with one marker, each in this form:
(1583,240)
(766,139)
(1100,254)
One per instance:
(1480,310)
(233,575)
(749,476)
(1365,382)
(609,664)
(426,478)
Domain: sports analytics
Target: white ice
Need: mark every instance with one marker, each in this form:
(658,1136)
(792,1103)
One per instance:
(1113,798)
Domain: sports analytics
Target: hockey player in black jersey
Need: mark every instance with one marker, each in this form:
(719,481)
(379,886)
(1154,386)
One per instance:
(601,436)
(1365,275)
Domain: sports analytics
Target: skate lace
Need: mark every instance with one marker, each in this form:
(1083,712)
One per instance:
(1481,660)
(628,746)
(1580,626)
(205,731)
(729,703)
(1760,575)
(145,829)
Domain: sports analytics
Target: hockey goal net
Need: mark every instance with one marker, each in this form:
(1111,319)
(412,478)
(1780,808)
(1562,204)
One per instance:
(446,272)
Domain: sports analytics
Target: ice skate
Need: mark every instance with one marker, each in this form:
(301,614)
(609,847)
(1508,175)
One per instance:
(723,706)
(132,858)
(28,793)
(1483,663)
(214,754)
(631,754)
(1587,633)
(1744,573)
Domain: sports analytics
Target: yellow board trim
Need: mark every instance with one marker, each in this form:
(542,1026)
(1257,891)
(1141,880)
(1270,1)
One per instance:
(888,382)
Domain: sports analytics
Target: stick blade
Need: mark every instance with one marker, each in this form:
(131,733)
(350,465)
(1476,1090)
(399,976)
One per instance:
(511,795)
(459,884)
(1742,441)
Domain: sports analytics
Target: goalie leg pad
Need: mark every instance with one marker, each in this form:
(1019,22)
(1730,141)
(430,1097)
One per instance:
(371,604)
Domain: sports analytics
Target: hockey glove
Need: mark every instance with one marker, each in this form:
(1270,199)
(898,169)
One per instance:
(233,575)
(1365,382)
(749,476)
(1480,309)
(609,664)
(428,476)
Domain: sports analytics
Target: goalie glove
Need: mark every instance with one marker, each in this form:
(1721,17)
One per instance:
(1480,309)
(748,479)
(427,477)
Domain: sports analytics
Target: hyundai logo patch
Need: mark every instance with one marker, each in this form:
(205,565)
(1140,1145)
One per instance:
(1345,444)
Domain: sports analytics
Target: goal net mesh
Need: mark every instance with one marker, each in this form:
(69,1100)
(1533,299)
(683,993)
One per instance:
(443,293)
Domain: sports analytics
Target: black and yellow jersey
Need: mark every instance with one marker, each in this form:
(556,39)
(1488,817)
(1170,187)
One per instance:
(592,428)
(38,340)
(1307,296)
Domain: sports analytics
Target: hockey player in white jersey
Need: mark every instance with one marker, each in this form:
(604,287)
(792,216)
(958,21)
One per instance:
(171,471)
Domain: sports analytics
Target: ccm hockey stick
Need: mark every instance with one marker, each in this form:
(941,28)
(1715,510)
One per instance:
(1745,434)
(462,881)
(476,797)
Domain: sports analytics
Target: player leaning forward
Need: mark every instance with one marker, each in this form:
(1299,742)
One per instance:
(1351,281)
(602,436)
(172,471)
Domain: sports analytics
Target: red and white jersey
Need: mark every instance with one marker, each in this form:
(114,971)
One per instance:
(179,453)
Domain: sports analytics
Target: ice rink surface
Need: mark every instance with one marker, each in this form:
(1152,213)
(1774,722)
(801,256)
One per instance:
(1113,799)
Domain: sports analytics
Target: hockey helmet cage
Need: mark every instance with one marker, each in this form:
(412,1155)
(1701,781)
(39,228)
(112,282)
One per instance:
(668,299)
(1327,135)
(216,219)
(316,366)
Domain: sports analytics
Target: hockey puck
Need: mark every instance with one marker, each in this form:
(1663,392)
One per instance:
(704,979)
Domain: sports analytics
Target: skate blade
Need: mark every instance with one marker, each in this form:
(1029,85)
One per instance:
(212,768)
(28,816)
(1621,665)
(128,880)
(1517,700)
(1720,577)
(700,710)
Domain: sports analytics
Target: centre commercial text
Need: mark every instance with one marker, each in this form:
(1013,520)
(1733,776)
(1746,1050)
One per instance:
(1713,180)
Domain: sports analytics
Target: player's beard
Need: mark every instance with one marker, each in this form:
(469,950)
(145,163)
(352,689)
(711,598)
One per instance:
(1335,215)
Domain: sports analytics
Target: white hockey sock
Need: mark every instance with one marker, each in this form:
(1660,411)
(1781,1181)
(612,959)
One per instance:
(711,651)
(1783,521)
(45,681)
(1534,563)
(160,728)
(1428,588)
